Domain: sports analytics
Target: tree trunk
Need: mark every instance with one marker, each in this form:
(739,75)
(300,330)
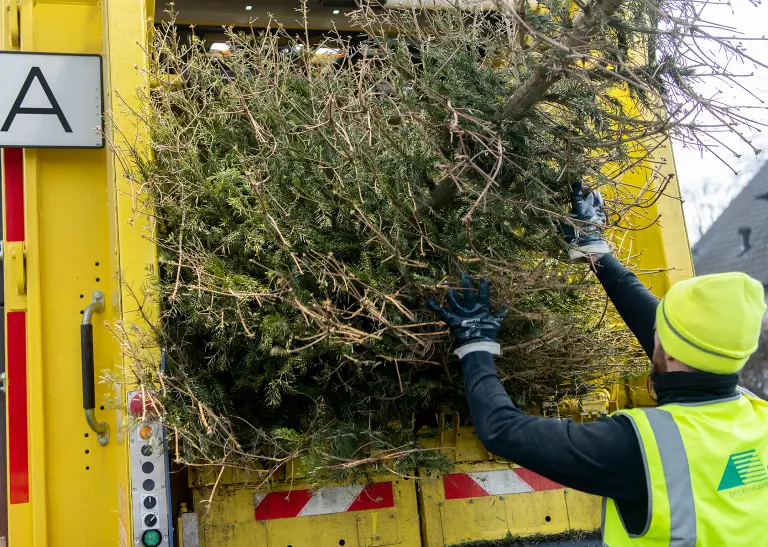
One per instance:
(585,26)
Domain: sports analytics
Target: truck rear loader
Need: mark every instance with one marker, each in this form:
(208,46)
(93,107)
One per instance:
(74,249)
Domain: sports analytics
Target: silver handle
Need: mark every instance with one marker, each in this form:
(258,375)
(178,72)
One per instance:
(86,350)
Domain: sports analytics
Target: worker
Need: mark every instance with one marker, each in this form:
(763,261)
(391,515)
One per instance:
(690,472)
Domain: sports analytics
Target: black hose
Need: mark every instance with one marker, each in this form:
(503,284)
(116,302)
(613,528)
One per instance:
(86,350)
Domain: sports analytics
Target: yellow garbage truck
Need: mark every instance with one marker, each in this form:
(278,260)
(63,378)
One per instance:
(74,249)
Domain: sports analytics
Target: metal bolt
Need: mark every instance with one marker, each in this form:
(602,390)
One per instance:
(103,441)
(264,521)
(98,295)
(442,503)
(359,519)
(229,526)
(565,491)
(206,526)
(135,489)
(471,501)
(501,497)
(378,538)
(393,515)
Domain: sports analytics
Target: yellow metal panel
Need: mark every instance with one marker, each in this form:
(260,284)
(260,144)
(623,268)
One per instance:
(451,522)
(231,521)
(656,242)
(75,495)
(131,231)
(584,510)
(537,512)
(374,529)
(459,443)
(132,255)
(472,520)
(80,474)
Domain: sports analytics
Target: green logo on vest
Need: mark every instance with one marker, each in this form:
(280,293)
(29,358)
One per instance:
(743,469)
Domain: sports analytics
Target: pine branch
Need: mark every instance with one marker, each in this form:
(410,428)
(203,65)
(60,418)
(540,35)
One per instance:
(294,261)
(585,27)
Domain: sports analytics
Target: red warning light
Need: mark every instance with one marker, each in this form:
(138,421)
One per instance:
(141,404)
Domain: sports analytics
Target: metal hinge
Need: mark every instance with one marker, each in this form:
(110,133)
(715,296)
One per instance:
(17,254)
(12,7)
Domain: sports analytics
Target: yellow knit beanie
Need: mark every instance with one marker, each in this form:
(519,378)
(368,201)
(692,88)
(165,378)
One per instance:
(712,322)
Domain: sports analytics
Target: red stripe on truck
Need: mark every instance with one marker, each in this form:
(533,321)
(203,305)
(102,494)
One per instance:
(280,505)
(18,426)
(460,485)
(536,481)
(373,496)
(13,185)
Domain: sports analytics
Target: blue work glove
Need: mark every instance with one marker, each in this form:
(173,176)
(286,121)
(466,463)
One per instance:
(587,238)
(470,318)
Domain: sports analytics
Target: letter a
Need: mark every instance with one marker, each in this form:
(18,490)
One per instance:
(35,72)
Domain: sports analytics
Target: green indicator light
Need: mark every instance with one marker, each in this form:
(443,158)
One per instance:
(151,538)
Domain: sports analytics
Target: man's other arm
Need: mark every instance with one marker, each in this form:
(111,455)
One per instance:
(634,302)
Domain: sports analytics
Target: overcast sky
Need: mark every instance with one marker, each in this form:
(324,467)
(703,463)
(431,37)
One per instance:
(707,184)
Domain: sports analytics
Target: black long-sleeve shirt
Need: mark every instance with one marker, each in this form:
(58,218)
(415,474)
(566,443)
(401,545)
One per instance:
(601,457)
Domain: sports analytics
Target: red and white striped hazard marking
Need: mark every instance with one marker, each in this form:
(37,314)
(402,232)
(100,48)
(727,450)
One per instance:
(335,499)
(495,483)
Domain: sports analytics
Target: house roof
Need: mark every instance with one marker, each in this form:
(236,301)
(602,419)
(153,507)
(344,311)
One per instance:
(722,247)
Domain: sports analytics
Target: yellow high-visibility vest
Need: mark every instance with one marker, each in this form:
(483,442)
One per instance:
(706,474)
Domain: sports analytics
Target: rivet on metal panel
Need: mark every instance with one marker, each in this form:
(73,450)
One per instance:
(565,491)
(378,538)
(442,503)
(471,501)
(501,497)
(359,519)
(206,526)
(264,521)
(393,515)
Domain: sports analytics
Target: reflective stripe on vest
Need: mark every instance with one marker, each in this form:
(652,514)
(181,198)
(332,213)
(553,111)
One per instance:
(677,475)
(682,511)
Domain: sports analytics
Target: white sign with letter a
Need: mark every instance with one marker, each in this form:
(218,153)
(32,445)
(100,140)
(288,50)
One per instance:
(50,100)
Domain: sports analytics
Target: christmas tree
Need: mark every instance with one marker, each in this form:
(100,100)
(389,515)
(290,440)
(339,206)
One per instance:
(310,196)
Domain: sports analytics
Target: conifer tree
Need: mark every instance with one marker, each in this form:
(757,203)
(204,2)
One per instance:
(306,208)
